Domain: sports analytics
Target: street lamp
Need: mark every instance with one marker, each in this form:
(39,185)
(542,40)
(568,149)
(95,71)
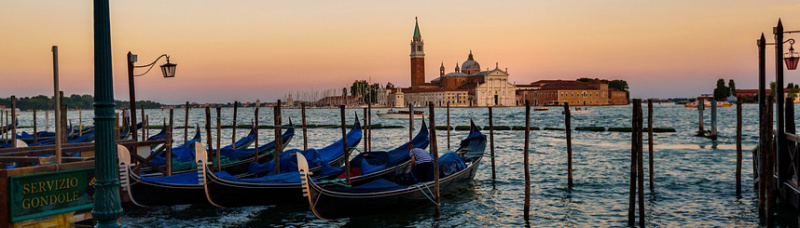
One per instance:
(791,57)
(167,70)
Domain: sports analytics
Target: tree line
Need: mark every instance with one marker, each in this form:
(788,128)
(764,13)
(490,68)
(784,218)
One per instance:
(85,101)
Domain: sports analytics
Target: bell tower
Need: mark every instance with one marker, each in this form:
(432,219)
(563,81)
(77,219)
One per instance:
(417,58)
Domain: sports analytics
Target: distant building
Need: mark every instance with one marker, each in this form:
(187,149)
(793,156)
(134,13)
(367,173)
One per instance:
(338,100)
(557,92)
(466,86)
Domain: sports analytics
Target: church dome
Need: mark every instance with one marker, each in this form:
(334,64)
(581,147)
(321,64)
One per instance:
(470,65)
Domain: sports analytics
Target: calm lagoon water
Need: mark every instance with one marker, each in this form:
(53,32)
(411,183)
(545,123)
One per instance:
(694,177)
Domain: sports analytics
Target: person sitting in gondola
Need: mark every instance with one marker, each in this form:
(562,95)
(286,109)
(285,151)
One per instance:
(421,164)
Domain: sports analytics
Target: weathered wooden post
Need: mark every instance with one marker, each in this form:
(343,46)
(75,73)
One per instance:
(255,130)
(14,121)
(305,132)
(185,123)
(233,130)
(650,141)
(209,141)
(568,129)
(219,139)
(410,121)
(713,119)
(276,116)
(435,153)
(345,146)
(769,164)
(169,142)
(448,131)
(527,207)
(634,142)
(80,121)
(640,160)
(35,130)
(369,122)
(700,106)
(146,126)
(739,143)
(366,122)
(133,113)
(491,143)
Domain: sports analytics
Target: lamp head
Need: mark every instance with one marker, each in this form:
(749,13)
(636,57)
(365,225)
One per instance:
(168,69)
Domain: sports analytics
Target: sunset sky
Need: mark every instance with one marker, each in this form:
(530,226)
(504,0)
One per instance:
(247,50)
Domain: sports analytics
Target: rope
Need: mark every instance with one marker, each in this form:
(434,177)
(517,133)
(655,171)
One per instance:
(430,197)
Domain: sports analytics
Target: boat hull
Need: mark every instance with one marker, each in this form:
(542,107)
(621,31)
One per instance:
(330,204)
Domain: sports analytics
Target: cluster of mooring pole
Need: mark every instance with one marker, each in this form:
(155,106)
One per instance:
(637,171)
(774,152)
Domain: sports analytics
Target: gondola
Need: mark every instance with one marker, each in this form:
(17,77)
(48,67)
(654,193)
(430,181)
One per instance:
(384,196)
(224,189)
(181,188)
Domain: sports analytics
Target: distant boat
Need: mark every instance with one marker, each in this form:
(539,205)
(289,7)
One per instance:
(579,111)
(540,108)
(392,114)
(707,104)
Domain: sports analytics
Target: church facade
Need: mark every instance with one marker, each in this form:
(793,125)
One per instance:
(466,86)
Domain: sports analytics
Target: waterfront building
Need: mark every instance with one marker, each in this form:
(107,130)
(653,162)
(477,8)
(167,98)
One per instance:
(558,92)
(467,85)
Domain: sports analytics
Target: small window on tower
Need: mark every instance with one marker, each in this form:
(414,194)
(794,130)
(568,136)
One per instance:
(419,48)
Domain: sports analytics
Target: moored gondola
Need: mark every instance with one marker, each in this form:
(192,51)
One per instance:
(184,187)
(263,187)
(458,168)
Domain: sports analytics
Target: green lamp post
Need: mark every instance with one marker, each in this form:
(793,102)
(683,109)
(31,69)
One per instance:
(107,208)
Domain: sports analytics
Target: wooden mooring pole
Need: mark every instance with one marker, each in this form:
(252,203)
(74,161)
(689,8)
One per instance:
(634,143)
(491,143)
(640,161)
(278,136)
(35,130)
(568,129)
(185,123)
(700,107)
(410,121)
(14,121)
(739,146)
(713,119)
(369,122)
(365,130)
(219,139)
(448,132)
(768,169)
(255,130)
(305,131)
(209,141)
(650,142)
(527,207)
(435,154)
(169,142)
(233,129)
(345,145)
